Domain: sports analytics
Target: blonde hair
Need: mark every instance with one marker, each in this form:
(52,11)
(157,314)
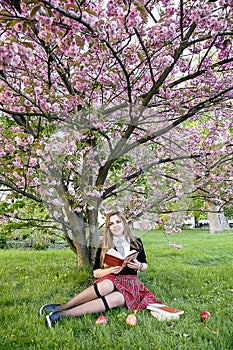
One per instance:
(108,236)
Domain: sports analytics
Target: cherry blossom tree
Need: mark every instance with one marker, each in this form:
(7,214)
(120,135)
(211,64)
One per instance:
(116,103)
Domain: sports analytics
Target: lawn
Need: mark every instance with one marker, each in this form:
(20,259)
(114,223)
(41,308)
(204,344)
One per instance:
(196,278)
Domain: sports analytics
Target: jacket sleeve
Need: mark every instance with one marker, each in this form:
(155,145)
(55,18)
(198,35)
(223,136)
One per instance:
(141,255)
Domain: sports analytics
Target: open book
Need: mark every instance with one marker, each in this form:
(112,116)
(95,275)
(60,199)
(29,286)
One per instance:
(114,258)
(163,312)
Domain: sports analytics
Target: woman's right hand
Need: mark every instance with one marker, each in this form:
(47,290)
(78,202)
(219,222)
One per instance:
(104,272)
(116,269)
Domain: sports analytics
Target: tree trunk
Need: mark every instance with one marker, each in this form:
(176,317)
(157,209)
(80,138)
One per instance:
(217,219)
(82,254)
(93,228)
(76,235)
(83,239)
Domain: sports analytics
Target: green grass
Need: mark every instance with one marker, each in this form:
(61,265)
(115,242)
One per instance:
(198,277)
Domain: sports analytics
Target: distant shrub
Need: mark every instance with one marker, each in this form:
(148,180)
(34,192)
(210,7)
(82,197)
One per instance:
(3,241)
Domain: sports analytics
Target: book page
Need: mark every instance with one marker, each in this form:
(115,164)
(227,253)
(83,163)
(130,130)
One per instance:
(132,255)
(114,258)
(163,316)
(114,252)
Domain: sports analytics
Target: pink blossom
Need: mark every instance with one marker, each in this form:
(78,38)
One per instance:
(16,175)
(18,27)
(8,93)
(177,230)
(168,233)
(13,214)
(56,214)
(69,165)
(21,183)
(57,202)
(39,153)
(89,207)
(94,193)
(30,140)
(159,221)
(27,103)
(2,152)
(18,163)
(15,129)
(33,162)
(38,90)
(18,141)
(54,3)
(78,210)
(34,182)
(9,147)
(173,245)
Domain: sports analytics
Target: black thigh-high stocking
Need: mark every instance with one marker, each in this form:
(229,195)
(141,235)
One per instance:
(91,293)
(114,299)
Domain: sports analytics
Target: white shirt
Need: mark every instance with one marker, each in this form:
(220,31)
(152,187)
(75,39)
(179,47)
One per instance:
(125,243)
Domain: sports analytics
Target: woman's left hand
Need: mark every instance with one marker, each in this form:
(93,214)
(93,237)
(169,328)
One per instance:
(134,264)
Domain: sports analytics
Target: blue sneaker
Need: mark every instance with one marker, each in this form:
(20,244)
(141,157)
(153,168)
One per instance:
(52,318)
(49,308)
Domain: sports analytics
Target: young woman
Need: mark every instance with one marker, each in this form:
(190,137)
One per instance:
(115,286)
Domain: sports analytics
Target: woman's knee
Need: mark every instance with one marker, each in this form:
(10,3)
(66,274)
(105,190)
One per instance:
(115,299)
(105,287)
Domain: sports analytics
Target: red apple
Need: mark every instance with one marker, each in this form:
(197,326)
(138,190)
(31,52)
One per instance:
(101,319)
(131,320)
(204,315)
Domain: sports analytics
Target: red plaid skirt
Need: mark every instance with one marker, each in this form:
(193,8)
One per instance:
(136,295)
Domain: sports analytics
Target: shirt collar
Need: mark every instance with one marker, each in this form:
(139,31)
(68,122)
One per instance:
(115,240)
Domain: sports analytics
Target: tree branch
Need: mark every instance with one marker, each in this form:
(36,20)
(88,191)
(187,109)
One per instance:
(181,20)
(167,70)
(147,55)
(192,111)
(69,15)
(111,190)
(18,190)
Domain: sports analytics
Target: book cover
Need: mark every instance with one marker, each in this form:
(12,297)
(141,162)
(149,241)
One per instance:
(114,258)
(164,309)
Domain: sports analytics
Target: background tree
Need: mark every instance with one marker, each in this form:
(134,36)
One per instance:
(124,103)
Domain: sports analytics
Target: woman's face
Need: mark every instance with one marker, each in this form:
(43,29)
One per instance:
(116,226)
